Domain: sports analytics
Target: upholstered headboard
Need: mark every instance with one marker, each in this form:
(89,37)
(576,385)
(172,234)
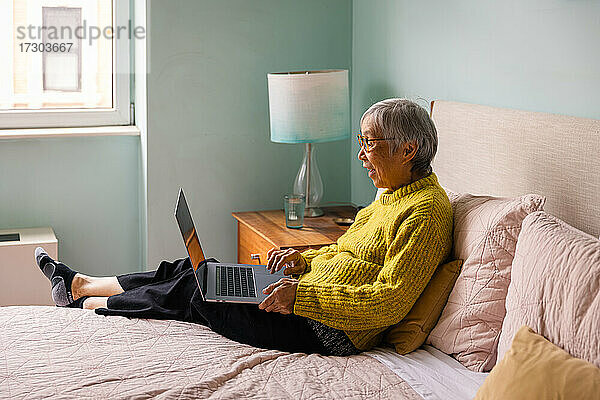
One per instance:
(502,152)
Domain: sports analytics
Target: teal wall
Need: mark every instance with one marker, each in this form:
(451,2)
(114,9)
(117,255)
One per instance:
(540,55)
(208,121)
(86,189)
(208,131)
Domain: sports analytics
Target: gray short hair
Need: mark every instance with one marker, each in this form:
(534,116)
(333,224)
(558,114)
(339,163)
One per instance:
(406,121)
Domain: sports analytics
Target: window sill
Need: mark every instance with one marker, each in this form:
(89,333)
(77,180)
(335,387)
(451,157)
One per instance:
(69,132)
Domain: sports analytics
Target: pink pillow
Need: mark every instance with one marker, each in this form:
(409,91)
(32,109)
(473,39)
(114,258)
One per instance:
(555,287)
(485,236)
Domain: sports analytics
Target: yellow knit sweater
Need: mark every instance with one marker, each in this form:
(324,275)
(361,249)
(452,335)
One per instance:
(372,277)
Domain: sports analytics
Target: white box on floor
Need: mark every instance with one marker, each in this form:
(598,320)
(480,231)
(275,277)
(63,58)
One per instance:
(22,281)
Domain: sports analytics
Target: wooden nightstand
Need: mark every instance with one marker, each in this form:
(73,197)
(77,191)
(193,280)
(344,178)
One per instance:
(259,231)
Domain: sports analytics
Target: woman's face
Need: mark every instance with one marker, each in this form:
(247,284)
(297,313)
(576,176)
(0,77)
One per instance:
(385,170)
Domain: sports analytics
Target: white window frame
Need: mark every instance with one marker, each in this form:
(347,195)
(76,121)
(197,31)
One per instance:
(119,114)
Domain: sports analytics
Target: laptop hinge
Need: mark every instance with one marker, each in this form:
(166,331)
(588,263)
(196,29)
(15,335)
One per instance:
(205,278)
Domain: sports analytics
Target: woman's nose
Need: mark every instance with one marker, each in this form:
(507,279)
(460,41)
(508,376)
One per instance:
(361,154)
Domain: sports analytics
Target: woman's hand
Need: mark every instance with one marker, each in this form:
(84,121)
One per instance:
(281,296)
(289,258)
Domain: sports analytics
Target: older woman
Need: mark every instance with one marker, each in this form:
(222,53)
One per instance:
(340,298)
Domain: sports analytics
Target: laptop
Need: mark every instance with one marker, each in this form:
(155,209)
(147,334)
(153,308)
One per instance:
(221,282)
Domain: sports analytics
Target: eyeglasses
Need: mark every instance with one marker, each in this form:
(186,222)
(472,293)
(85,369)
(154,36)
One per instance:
(366,143)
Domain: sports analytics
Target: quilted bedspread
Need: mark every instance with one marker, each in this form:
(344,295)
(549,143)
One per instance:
(50,352)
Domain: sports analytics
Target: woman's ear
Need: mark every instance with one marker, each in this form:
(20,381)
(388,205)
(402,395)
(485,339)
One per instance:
(409,151)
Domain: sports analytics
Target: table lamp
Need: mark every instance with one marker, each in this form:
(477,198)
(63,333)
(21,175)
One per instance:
(309,107)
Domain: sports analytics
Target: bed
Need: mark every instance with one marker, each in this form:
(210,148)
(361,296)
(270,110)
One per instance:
(71,353)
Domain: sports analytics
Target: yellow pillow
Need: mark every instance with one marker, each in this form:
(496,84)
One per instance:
(410,333)
(534,368)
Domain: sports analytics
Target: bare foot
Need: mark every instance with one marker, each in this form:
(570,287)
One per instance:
(91,303)
(94,286)
(78,286)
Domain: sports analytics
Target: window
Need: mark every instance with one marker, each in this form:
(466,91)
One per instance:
(62,70)
(66,63)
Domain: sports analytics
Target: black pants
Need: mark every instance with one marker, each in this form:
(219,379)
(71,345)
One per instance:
(171,292)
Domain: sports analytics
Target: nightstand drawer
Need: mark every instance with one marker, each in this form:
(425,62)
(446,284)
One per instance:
(250,243)
(260,231)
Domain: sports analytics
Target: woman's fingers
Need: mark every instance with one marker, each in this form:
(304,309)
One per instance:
(275,257)
(294,269)
(276,260)
(270,257)
(297,266)
(270,288)
(290,259)
(281,296)
(272,308)
(267,302)
(286,258)
(265,305)
(270,254)
(270,303)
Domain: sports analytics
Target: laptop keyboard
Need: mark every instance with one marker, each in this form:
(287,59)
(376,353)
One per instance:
(235,281)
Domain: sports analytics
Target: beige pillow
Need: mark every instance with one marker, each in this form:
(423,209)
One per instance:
(534,368)
(410,333)
(485,236)
(555,287)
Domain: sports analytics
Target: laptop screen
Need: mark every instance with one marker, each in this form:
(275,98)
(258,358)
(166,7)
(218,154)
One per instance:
(188,231)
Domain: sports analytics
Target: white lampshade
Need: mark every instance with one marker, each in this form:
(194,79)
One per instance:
(309,106)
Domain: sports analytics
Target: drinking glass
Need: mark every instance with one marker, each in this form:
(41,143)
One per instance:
(293,207)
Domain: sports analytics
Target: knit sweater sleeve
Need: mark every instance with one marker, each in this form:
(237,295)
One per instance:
(411,258)
(310,254)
